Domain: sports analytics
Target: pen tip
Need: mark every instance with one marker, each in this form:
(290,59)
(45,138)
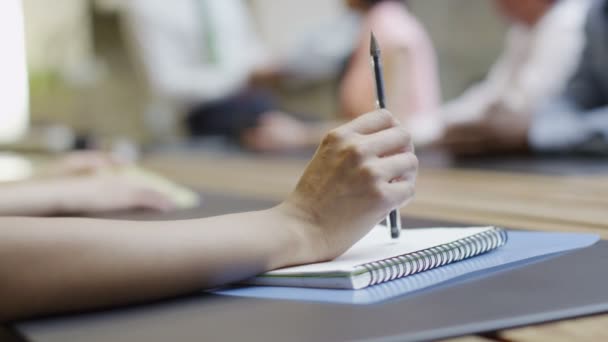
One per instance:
(374,49)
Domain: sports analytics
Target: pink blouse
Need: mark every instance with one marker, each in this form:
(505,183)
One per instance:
(413,85)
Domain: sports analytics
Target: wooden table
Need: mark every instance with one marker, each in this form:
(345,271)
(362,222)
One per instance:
(555,203)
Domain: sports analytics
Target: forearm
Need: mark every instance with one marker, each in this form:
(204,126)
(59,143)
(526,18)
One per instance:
(70,264)
(354,179)
(30,198)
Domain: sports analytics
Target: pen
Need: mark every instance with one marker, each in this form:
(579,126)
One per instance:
(393,221)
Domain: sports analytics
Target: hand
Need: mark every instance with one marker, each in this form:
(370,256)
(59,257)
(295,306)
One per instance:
(83,162)
(426,129)
(497,132)
(108,192)
(277,131)
(265,75)
(360,172)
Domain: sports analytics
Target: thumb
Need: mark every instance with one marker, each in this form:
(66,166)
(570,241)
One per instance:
(151,199)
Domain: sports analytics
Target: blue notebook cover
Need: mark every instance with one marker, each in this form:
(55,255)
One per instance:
(522,248)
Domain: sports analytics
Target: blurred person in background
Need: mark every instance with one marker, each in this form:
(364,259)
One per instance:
(201,56)
(409,60)
(73,183)
(410,70)
(577,119)
(541,52)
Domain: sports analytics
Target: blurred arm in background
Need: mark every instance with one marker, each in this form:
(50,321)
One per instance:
(408,58)
(409,61)
(82,183)
(541,52)
(85,194)
(204,57)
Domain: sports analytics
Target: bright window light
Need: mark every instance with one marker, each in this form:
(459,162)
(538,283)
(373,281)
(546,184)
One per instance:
(14,98)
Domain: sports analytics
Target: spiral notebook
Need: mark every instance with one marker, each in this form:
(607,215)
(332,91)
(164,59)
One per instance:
(377,258)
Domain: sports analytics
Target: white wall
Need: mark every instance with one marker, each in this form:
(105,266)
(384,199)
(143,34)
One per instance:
(13,74)
(281,20)
(468,36)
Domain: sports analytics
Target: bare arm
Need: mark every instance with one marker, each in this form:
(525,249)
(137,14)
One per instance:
(407,88)
(68,264)
(361,171)
(79,194)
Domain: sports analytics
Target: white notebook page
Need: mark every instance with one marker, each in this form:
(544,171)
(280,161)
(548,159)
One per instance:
(378,245)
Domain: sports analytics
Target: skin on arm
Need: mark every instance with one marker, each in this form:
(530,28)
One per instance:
(357,90)
(91,193)
(497,132)
(80,182)
(278,131)
(360,172)
(81,162)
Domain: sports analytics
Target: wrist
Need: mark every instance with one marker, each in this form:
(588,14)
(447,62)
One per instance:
(306,235)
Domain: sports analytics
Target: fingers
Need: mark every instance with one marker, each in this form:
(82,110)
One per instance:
(398,167)
(370,123)
(388,142)
(399,194)
(397,178)
(90,161)
(384,137)
(150,199)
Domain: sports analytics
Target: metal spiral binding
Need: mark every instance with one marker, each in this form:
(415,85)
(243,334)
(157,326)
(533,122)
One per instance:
(403,265)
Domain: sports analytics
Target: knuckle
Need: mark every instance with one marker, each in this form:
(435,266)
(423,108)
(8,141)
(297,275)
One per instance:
(335,137)
(385,116)
(404,134)
(408,193)
(368,172)
(354,152)
(378,194)
(413,161)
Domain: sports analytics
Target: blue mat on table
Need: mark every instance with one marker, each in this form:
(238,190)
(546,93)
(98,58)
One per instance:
(522,248)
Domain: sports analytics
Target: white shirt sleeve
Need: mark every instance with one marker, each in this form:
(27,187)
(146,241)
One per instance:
(477,100)
(175,67)
(535,66)
(552,61)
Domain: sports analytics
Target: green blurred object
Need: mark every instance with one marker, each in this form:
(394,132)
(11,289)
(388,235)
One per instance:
(44,82)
